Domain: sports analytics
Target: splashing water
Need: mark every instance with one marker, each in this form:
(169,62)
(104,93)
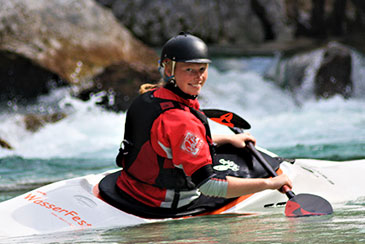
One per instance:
(317,128)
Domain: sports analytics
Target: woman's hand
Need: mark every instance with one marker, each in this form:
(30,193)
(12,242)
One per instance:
(237,140)
(279,181)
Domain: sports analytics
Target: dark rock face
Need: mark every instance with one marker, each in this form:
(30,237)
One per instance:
(334,74)
(5,144)
(22,80)
(240,22)
(290,72)
(33,122)
(220,22)
(321,73)
(120,83)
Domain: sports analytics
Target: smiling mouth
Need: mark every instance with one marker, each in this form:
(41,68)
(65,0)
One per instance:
(196,85)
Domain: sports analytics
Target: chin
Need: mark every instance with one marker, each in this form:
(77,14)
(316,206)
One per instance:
(194,93)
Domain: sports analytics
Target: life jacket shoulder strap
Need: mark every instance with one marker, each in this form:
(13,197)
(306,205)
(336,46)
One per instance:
(140,117)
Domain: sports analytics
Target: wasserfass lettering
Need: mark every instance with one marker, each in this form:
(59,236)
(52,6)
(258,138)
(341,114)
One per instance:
(70,214)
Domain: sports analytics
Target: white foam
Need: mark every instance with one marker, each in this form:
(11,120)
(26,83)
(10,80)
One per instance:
(277,121)
(87,132)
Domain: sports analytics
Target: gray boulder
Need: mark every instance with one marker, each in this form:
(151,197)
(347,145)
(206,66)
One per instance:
(334,75)
(237,22)
(69,40)
(320,73)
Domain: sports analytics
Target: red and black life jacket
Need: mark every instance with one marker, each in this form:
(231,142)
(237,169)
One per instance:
(140,117)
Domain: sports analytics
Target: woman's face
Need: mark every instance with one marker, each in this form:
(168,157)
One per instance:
(190,77)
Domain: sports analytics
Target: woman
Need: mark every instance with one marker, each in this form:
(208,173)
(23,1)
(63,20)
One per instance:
(167,152)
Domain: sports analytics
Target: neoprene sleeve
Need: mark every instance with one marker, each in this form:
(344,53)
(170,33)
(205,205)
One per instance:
(214,188)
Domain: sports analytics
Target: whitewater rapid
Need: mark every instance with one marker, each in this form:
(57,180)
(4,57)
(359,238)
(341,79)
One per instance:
(237,85)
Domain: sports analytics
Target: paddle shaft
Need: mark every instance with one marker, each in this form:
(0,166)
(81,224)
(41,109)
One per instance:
(289,193)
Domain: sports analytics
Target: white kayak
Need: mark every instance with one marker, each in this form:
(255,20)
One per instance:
(75,204)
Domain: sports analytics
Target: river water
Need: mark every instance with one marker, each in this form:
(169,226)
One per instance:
(88,139)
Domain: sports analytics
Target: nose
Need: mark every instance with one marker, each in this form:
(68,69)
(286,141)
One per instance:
(199,74)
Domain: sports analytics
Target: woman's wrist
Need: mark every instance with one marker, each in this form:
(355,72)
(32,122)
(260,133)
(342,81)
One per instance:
(220,139)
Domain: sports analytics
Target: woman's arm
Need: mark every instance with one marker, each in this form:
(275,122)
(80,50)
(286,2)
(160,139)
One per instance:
(242,186)
(237,140)
(235,187)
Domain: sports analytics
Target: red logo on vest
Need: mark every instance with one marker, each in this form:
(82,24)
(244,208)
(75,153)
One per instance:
(192,144)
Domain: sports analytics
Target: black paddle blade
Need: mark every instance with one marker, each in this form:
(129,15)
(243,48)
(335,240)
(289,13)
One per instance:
(226,118)
(307,205)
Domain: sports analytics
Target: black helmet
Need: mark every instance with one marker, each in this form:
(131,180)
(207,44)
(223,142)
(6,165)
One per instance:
(185,48)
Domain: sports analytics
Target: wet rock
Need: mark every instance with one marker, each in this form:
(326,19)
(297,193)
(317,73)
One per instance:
(33,122)
(22,80)
(219,22)
(292,73)
(5,144)
(120,83)
(246,24)
(319,73)
(73,39)
(334,74)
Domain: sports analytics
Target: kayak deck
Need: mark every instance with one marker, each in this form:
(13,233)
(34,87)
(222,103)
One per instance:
(61,206)
(73,204)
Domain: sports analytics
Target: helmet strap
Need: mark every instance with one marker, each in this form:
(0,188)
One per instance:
(173,64)
(170,78)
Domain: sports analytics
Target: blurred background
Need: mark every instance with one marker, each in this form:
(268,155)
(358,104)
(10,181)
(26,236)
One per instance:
(113,45)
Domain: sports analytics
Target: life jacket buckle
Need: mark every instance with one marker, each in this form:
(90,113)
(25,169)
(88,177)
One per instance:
(125,146)
(124,149)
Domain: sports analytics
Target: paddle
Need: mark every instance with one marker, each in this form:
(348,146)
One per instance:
(226,118)
(298,205)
